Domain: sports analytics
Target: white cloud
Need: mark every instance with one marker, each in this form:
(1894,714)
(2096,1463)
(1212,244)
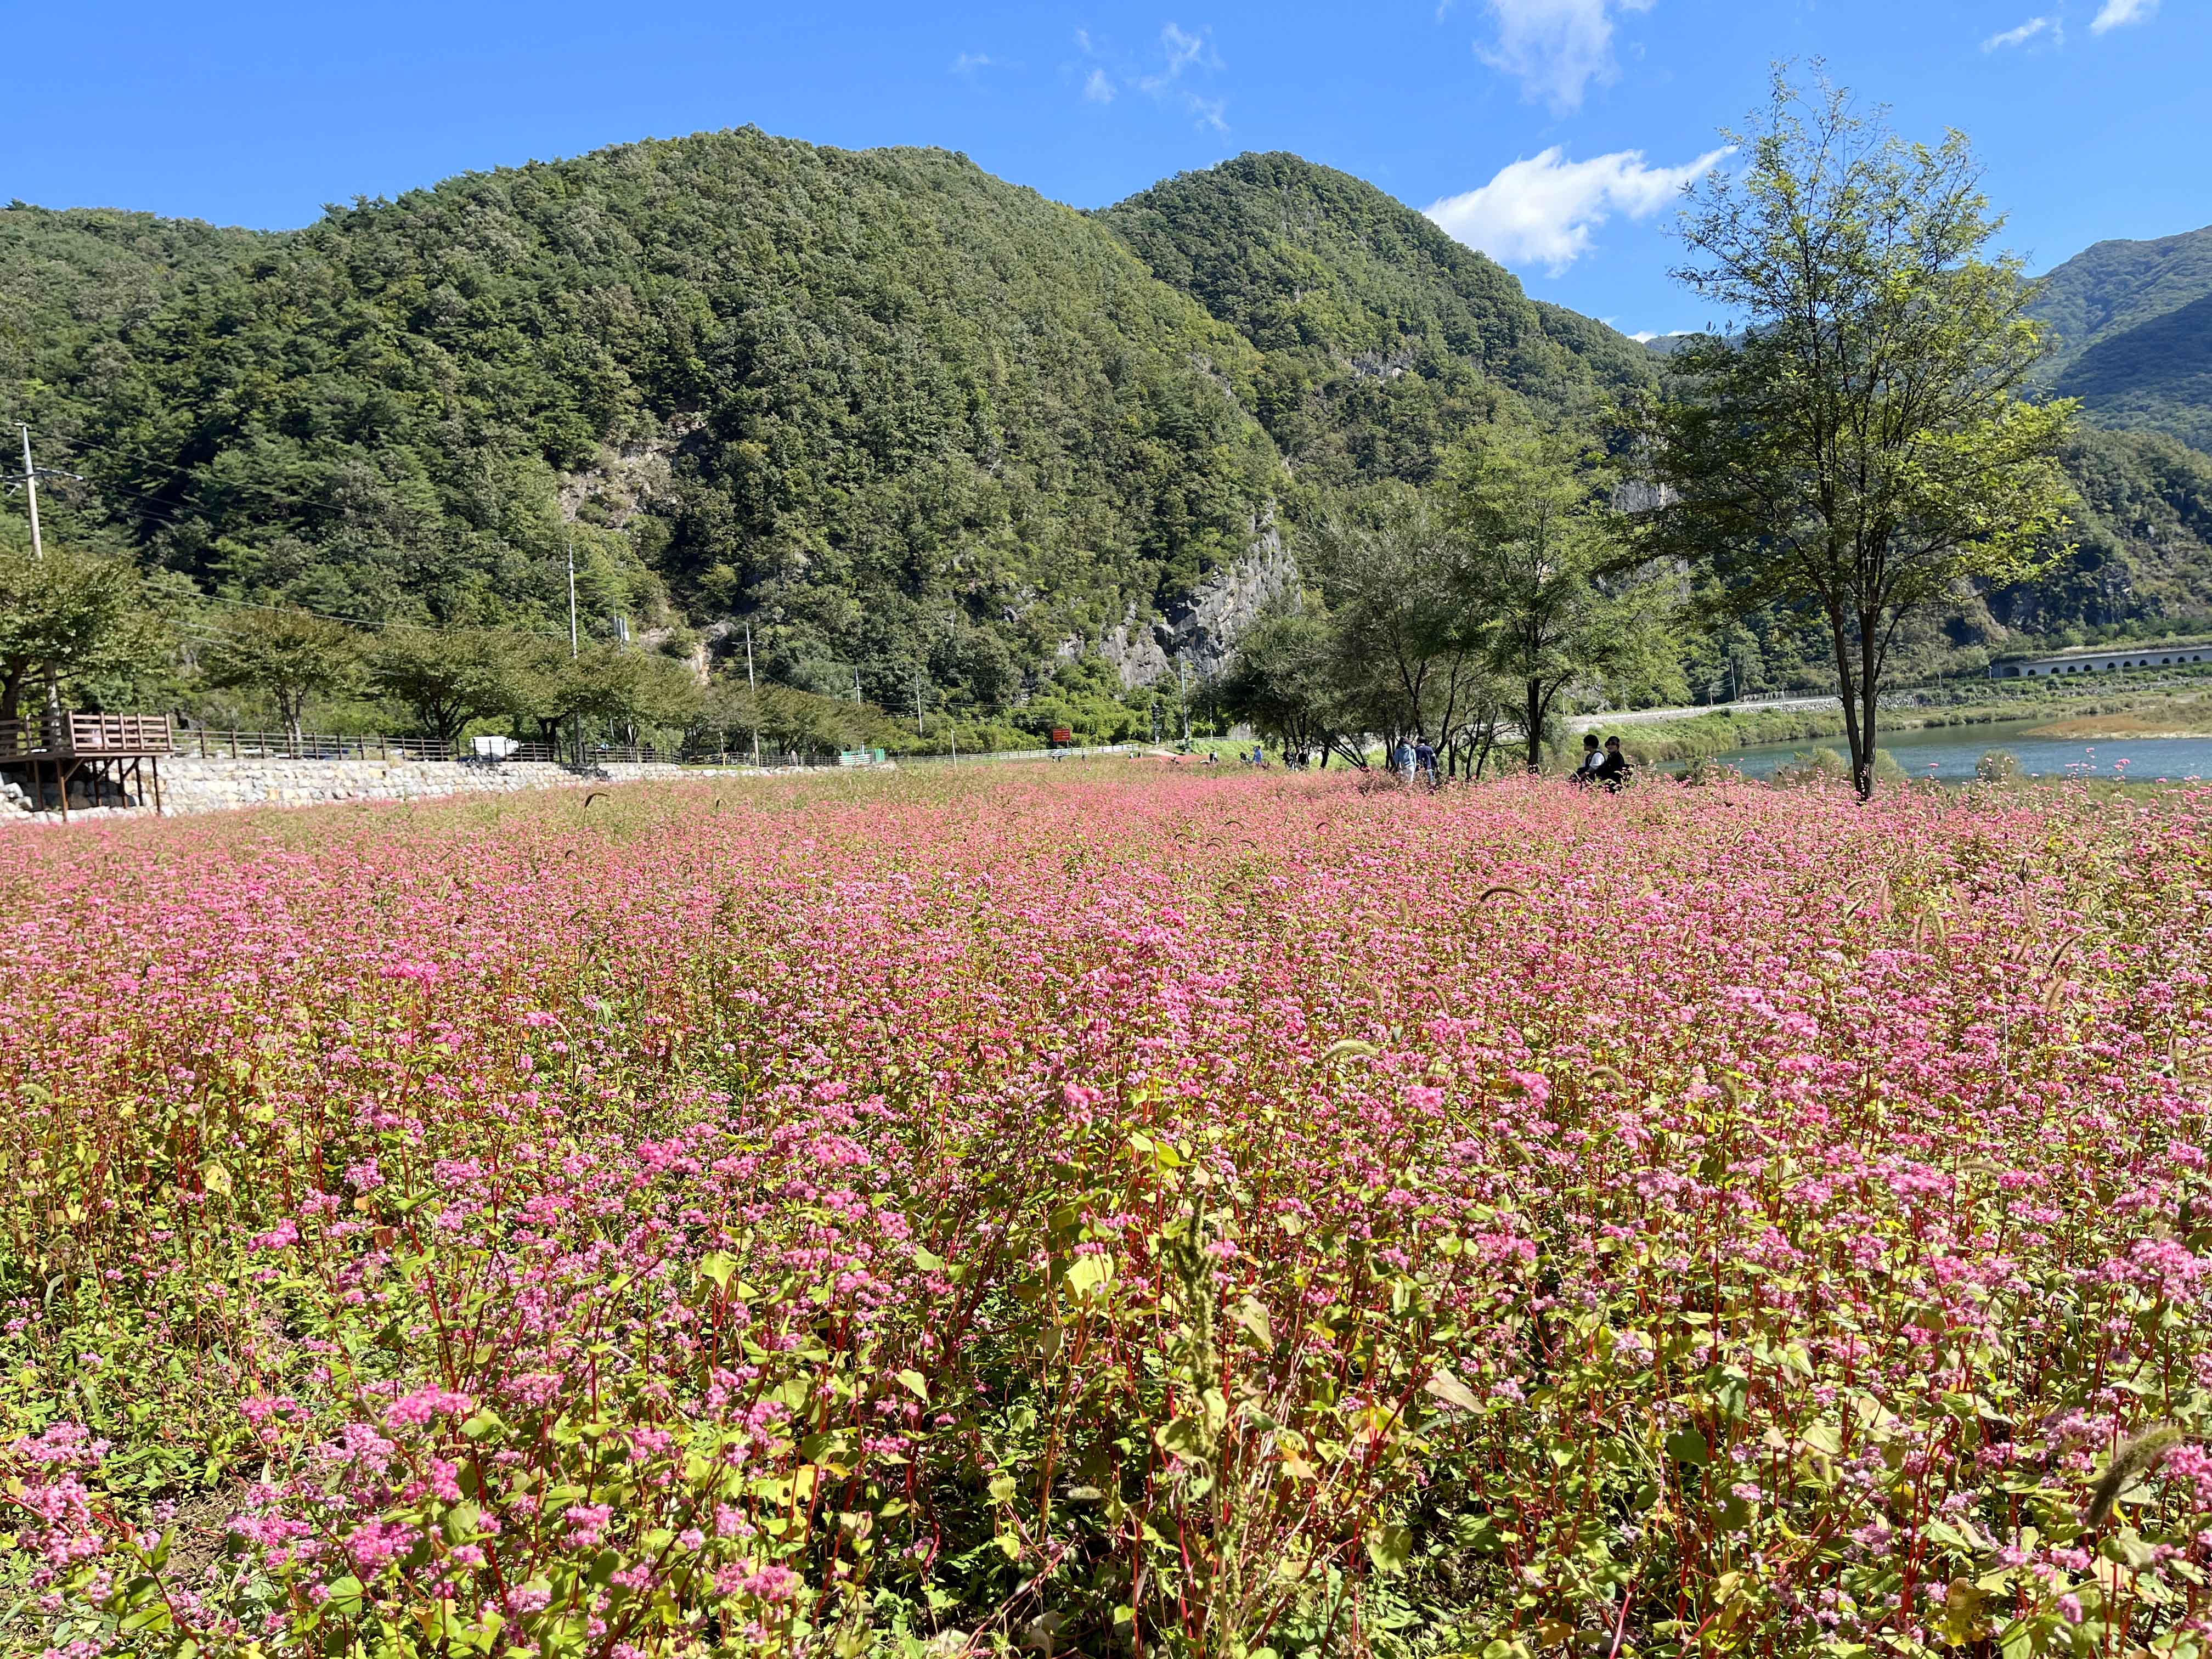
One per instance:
(1180,52)
(1544,210)
(968,62)
(1557,48)
(1184,58)
(2114,13)
(2019,37)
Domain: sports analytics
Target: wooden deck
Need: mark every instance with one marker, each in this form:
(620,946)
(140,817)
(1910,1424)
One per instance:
(118,752)
(101,736)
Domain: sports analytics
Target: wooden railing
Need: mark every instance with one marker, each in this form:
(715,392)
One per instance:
(128,734)
(87,735)
(208,745)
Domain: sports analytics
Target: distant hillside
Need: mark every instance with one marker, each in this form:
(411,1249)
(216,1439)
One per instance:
(71,280)
(896,411)
(1382,339)
(897,416)
(2133,322)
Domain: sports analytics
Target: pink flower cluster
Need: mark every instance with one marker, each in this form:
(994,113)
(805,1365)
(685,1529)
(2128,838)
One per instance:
(1213,1212)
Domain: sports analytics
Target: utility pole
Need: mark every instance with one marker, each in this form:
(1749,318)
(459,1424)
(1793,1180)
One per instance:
(572,598)
(39,556)
(753,686)
(917,703)
(951,645)
(31,494)
(1183,695)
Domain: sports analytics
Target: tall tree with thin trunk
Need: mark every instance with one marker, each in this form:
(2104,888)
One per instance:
(1529,507)
(69,612)
(1854,446)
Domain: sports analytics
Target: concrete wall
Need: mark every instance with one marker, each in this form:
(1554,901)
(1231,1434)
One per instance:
(192,785)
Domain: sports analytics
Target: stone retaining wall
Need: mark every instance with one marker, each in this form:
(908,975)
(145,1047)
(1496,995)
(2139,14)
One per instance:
(212,786)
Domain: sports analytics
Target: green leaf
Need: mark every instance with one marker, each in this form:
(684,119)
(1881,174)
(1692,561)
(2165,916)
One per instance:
(1688,1445)
(1390,1548)
(1183,1436)
(1089,1274)
(915,1384)
(1251,1316)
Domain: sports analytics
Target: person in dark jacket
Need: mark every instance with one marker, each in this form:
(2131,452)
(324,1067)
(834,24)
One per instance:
(1613,772)
(1593,758)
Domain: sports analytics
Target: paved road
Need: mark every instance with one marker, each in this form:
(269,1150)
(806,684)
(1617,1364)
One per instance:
(1646,716)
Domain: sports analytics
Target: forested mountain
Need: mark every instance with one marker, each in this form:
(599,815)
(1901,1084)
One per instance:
(2133,322)
(1381,338)
(901,414)
(899,417)
(70,280)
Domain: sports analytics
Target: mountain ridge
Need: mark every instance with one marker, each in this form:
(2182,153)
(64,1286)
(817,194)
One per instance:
(909,423)
(2133,327)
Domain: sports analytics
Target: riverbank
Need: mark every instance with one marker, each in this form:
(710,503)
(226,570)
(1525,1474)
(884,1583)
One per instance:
(2115,712)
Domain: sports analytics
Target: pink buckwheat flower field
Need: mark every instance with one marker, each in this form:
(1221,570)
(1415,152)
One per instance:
(1133,1213)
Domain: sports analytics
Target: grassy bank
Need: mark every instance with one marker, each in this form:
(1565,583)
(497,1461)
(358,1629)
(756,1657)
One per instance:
(2117,711)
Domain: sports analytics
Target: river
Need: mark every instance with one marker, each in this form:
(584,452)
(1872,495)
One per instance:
(1948,754)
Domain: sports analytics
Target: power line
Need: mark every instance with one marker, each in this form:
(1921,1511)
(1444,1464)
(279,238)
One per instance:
(189,474)
(328,616)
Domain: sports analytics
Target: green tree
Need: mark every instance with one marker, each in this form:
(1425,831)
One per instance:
(1530,507)
(1407,635)
(620,690)
(288,655)
(1856,448)
(449,679)
(1283,681)
(71,612)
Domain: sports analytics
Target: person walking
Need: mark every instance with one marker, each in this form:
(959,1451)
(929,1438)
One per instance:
(1402,760)
(1425,761)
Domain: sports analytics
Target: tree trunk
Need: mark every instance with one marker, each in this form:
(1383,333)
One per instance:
(12,695)
(1533,714)
(1856,733)
(1869,691)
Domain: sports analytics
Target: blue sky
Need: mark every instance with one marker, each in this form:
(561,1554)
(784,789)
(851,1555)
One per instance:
(1550,131)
